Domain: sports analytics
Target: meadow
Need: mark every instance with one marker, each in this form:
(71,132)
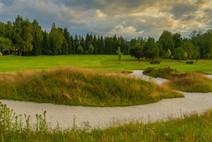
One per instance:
(107,63)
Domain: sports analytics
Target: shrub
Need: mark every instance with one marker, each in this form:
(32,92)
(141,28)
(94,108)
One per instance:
(190,62)
(160,72)
(148,70)
(155,62)
(126,72)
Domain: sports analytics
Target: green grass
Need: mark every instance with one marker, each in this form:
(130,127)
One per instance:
(189,128)
(100,62)
(77,87)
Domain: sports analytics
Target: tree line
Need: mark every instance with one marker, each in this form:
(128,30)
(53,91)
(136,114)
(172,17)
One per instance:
(25,38)
(173,46)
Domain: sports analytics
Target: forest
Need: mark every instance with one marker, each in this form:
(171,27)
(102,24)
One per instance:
(27,38)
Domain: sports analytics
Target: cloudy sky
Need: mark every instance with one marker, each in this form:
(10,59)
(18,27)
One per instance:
(130,18)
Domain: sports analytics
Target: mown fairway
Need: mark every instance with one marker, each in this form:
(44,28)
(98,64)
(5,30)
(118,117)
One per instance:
(101,62)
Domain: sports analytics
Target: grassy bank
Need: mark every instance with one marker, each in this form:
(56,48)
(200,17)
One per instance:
(182,81)
(77,87)
(191,82)
(189,128)
(99,62)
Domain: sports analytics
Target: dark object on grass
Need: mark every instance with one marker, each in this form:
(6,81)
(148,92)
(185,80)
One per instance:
(155,62)
(126,72)
(189,62)
(165,72)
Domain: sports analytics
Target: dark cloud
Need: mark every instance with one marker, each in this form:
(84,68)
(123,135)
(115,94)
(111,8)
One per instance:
(82,4)
(208,12)
(130,18)
(102,4)
(184,11)
(111,7)
(7,2)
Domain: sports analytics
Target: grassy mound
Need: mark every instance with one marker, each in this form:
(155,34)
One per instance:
(191,82)
(74,87)
(191,128)
(187,82)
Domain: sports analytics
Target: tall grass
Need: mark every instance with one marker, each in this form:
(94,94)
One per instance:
(189,128)
(191,82)
(77,87)
(186,82)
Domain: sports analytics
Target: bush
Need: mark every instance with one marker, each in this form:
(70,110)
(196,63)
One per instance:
(1,54)
(155,62)
(160,72)
(148,70)
(126,72)
(190,62)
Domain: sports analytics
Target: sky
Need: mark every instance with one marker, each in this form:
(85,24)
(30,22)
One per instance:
(129,18)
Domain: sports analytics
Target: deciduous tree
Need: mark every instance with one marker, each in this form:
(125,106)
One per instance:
(166,41)
(90,49)
(151,49)
(56,39)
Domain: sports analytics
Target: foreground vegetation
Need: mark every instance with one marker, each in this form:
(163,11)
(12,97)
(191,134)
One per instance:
(189,128)
(108,63)
(75,87)
(186,82)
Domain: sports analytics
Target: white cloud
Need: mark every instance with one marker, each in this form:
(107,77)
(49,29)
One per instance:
(100,14)
(126,31)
